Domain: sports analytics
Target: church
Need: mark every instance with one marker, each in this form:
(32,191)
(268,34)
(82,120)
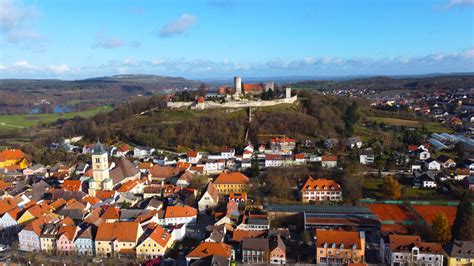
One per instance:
(107,177)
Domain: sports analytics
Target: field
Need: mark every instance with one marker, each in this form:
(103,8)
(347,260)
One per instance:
(28,120)
(430,126)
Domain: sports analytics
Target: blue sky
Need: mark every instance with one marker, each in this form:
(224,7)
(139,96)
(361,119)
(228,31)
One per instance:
(221,38)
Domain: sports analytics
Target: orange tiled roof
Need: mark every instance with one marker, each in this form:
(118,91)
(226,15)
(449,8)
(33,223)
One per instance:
(120,231)
(58,203)
(129,185)
(211,249)
(392,212)
(72,185)
(160,235)
(180,211)
(239,235)
(283,140)
(4,185)
(326,158)
(348,238)
(252,87)
(238,196)
(104,194)
(69,231)
(13,154)
(192,153)
(91,200)
(163,171)
(320,184)
(406,242)
(145,166)
(231,178)
(112,212)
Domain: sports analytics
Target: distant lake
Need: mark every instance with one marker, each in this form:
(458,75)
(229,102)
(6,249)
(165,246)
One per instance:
(57,109)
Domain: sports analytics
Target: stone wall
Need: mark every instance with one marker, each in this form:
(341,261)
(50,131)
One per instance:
(235,104)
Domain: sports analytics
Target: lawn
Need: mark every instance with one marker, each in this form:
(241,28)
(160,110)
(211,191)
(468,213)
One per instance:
(430,126)
(28,120)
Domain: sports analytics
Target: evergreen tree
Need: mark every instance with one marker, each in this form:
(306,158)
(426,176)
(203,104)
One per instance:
(463,227)
(391,189)
(440,228)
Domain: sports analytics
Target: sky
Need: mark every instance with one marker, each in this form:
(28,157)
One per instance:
(196,39)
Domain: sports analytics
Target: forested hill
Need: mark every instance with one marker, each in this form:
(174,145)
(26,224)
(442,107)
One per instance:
(315,116)
(19,96)
(447,82)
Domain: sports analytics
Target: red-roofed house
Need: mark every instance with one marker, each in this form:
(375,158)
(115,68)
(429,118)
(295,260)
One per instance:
(320,189)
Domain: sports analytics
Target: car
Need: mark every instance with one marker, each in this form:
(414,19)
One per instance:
(4,248)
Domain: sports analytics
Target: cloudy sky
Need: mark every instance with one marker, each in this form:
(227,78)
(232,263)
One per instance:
(221,38)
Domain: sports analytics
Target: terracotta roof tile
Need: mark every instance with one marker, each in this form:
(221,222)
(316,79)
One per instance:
(231,178)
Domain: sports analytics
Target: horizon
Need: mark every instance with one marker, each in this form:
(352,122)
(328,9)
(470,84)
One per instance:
(218,39)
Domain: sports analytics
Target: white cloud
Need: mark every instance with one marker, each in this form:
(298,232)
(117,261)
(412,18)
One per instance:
(178,26)
(15,24)
(2,67)
(59,69)
(454,3)
(23,64)
(103,40)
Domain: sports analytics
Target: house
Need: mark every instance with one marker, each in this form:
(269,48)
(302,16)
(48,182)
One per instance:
(409,249)
(8,222)
(13,158)
(180,215)
(72,185)
(208,249)
(145,167)
(84,243)
(284,145)
(142,152)
(468,182)
(329,161)
(209,199)
(65,242)
(227,153)
(432,164)
(154,242)
(425,179)
(122,150)
(367,156)
(446,162)
(255,250)
(226,183)
(421,153)
(354,142)
(117,237)
(320,189)
(29,236)
(134,186)
(214,166)
(48,238)
(274,160)
(159,173)
(339,247)
(37,169)
(185,179)
(330,143)
(459,253)
(277,250)
(254,222)
(461,173)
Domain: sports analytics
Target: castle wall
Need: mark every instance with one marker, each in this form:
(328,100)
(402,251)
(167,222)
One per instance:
(235,104)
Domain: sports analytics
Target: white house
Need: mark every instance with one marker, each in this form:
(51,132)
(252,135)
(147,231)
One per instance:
(367,156)
(432,165)
(227,153)
(194,157)
(180,215)
(141,152)
(410,250)
(329,161)
(214,166)
(274,160)
(209,199)
(8,221)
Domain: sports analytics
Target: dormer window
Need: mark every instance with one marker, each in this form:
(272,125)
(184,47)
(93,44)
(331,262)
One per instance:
(325,245)
(341,246)
(333,245)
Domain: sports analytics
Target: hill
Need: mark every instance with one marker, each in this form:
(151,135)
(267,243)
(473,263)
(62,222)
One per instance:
(24,96)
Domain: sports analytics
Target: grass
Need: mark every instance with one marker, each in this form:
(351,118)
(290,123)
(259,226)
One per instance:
(29,120)
(430,126)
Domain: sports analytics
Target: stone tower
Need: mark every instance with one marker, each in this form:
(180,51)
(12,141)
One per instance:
(100,169)
(288,93)
(238,86)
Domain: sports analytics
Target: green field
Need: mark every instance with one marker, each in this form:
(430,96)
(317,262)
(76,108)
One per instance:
(28,120)
(430,126)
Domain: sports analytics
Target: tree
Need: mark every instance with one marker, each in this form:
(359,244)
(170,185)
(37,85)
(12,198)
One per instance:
(198,182)
(391,189)
(278,185)
(350,118)
(440,228)
(352,188)
(463,227)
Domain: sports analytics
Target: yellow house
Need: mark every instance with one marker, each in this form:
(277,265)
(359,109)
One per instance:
(235,182)
(340,247)
(117,237)
(460,253)
(10,158)
(155,242)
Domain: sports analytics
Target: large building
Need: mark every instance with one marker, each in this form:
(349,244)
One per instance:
(235,182)
(339,247)
(100,170)
(410,250)
(320,189)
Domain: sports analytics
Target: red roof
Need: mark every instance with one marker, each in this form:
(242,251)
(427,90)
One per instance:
(72,185)
(231,178)
(252,87)
(11,155)
(428,212)
(392,212)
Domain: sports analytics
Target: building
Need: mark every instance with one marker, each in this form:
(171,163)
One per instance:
(329,161)
(354,142)
(255,250)
(425,180)
(13,158)
(277,250)
(29,236)
(180,215)
(274,160)
(209,199)
(84,243)
(339,247)
(460,253)
(65,242)
(284,145)
(142,152)
(208,249)
(100,170)
(154,242)
(320,189)
(238,86)
(432,165)
(410,250)
(48,238)
(226,183)
(367,156)
(117,237)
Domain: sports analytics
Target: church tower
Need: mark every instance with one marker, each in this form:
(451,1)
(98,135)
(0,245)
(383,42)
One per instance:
(100,168)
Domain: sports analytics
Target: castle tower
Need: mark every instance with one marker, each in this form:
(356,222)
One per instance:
(269,86)
(238,86)
(288,93)
(100,168)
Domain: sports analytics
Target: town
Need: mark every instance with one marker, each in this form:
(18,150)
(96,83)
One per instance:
(279,201)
